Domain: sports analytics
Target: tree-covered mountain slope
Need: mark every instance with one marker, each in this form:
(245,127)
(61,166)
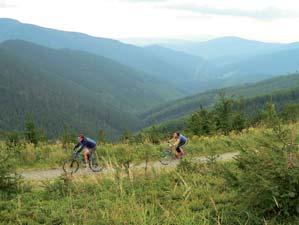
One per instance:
(285,101)
(121,86)
(85,91)
(52,101)
(185,106)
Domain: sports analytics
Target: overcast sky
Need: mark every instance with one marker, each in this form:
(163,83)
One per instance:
(266,20)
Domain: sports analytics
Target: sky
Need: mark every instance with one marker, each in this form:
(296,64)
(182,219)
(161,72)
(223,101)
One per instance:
(264,20)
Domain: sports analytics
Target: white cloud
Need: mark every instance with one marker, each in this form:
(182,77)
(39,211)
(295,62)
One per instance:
(5,4)
(140,1)
(268,20)
(269,13)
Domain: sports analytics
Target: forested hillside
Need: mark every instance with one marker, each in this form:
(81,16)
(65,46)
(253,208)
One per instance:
(85,91)
(119,85)
(188,105)
(52,101)
(241,113)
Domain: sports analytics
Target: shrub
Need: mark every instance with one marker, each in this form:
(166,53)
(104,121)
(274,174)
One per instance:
(267,181)
(9,180)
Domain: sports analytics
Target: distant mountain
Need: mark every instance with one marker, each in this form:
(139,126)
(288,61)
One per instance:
(260,67)
(234,61)
(229,49)
(186,106)
(192,67)
(194,71)
(185,63)
(129,55)
(84,90)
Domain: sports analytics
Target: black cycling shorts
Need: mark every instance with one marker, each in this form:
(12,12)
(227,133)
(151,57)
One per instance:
(181,144)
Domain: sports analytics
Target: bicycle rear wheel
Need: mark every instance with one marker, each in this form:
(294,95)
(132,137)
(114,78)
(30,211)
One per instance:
(70,166)
(166,157)
(94,163)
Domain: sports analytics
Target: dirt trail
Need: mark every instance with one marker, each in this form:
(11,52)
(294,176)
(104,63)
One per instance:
(54,173)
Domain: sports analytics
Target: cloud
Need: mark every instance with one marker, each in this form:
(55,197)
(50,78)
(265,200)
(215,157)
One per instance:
(139,1)
(3,4)
(269,13)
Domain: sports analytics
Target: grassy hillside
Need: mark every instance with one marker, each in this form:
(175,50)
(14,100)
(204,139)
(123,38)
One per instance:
(188,105)
(259,187)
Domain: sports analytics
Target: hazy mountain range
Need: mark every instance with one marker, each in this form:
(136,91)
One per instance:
(191,66)
(229,47)
(91,83)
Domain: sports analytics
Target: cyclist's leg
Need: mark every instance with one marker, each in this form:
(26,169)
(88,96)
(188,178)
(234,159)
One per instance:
(86,153)
(181,145)
(177,151)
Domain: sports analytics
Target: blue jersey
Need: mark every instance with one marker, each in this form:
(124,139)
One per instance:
(88,143)
(183,139)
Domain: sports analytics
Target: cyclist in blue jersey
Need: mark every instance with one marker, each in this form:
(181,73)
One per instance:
(87,145)
(179,142)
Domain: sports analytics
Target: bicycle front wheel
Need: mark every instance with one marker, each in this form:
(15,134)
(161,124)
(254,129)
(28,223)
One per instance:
(166,157)
(94,163)
(70,166)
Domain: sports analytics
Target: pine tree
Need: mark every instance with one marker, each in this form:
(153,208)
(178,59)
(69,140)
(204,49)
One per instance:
(224,114)
(201,122)
(31,134)
(239,118)
(66,136)
(270,115)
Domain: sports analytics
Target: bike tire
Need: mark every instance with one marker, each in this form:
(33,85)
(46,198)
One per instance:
(94,163)
(70,166)
(166,157)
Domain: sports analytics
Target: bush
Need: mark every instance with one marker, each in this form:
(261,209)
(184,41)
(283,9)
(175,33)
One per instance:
(31,134)
(9,180)
(267,181)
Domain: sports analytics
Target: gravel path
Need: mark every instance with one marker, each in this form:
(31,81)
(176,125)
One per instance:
(54,173)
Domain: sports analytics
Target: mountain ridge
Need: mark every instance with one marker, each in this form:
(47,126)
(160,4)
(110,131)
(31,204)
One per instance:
(187,105)
(135,57)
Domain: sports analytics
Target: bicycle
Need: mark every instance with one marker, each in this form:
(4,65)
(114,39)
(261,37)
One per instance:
(72,164)
(167,156)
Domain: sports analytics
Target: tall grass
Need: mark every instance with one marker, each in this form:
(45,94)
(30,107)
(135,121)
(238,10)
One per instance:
(194,193)
(46,155)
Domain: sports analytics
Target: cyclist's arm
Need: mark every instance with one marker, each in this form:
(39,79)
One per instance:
(79,147)
(175,143)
